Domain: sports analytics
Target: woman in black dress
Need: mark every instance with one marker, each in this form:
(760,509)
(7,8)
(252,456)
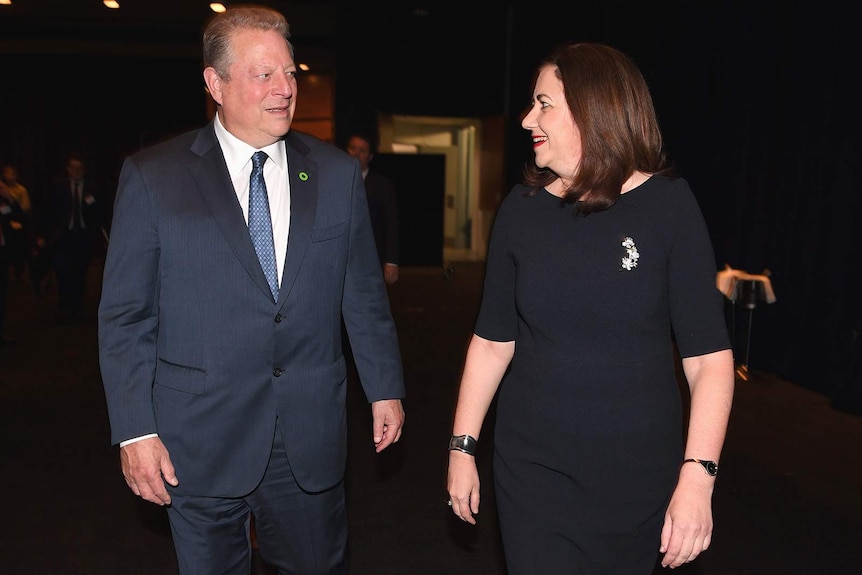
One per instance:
(599,268)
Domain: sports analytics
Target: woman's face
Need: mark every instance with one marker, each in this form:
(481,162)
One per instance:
(556,137)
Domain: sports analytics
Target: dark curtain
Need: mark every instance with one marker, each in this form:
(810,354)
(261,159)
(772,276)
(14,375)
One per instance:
(759,112)
(775,164)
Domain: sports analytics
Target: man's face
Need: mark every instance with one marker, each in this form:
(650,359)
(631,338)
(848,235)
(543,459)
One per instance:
(258,100)
(359,149)
(75,169)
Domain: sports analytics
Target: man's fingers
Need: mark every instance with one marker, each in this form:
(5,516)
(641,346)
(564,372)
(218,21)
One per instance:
(144,464)
(152,492)
(168,472)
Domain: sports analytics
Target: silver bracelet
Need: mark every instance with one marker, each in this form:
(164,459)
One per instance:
(465,443)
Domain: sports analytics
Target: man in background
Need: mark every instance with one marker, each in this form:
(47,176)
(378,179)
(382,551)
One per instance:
(74,216)
(382,205)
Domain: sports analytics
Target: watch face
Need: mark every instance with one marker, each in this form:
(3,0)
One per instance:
(711,467)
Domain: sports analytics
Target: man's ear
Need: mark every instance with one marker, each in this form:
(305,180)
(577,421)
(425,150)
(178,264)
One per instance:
(214,84)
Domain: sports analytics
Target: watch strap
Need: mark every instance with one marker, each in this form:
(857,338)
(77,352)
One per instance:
(711,467)
(464,443)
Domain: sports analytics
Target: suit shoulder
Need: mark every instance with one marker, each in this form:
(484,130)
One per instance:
(170,147)
(318,149)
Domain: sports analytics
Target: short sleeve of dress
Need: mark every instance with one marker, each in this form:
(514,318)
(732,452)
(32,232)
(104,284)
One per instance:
(696,304)
(498,315)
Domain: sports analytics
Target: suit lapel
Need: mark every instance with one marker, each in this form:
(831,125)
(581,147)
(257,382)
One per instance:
(211,176)
(304,179)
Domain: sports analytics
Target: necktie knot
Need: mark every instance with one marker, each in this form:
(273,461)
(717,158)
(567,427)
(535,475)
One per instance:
(257,161)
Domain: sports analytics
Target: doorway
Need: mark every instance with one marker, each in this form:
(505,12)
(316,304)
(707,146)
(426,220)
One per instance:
(472,175)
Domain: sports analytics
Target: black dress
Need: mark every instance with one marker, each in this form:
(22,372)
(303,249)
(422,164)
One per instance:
(589,431)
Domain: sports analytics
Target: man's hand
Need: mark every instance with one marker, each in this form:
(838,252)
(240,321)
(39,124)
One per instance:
(388,416)
(390,274)
(146,466)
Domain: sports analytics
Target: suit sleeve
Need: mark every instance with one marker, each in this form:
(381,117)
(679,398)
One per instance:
(365,308)
(128,319)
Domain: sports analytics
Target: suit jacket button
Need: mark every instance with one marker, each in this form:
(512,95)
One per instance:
(278,318)
(277,372)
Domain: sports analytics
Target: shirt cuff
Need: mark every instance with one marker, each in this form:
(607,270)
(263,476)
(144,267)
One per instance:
(135,439)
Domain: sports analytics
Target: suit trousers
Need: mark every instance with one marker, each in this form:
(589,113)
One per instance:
(72,256)
(298,532)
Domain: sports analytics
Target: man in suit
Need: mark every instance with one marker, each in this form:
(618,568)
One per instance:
(10,212)
(382,205)
(74,216)
(224,371)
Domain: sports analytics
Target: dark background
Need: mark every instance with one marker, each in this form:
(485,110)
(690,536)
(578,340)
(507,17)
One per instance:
(420,205)
(757,101)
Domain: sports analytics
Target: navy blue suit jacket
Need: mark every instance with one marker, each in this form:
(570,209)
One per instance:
(193,348)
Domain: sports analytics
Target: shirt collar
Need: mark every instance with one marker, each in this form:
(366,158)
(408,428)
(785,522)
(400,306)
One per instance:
(237,154)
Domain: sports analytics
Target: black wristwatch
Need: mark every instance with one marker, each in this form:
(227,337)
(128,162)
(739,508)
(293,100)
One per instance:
(465,443)
(711,467)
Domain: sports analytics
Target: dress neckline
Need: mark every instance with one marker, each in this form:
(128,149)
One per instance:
(622,195)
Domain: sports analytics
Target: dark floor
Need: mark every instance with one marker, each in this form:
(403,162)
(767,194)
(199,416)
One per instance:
(788,500)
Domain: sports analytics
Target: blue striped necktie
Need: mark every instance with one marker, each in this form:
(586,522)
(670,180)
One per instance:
(260,222)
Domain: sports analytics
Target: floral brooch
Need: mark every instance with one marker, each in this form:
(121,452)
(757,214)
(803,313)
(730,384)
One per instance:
(630,260)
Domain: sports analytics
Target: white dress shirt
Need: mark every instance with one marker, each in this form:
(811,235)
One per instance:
(237,155)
